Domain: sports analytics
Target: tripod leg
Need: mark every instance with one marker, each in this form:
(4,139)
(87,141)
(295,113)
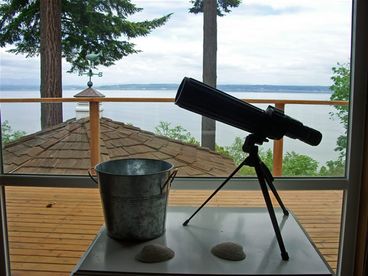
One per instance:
(215,192)
(271,211)
(269,180)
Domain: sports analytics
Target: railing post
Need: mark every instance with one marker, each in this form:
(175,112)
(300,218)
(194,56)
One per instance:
(94,120)
(278,147)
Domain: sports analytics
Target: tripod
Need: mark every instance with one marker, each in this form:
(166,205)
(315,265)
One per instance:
(264,178)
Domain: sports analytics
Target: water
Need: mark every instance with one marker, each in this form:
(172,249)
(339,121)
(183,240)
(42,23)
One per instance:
(26,116)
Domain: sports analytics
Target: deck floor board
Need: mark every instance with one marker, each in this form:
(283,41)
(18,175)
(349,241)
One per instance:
(50,228)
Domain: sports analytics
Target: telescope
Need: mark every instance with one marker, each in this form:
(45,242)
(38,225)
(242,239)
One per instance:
(270,123)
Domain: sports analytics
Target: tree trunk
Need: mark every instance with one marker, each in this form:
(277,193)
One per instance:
(209,66)
(50,24)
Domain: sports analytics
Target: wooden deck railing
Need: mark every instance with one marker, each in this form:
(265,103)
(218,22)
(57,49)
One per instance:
(95,128)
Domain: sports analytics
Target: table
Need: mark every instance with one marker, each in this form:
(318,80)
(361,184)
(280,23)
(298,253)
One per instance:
(249,227)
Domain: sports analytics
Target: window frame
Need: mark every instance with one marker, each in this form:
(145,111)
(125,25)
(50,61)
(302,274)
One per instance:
(357,125)
(4,244)
(350,184)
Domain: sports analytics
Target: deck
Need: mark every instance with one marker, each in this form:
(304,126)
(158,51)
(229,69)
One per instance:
(50,228)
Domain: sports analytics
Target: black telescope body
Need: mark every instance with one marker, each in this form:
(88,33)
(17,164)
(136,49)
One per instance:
(271,123)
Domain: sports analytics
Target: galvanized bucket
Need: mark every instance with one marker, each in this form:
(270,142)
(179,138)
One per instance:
(134,196)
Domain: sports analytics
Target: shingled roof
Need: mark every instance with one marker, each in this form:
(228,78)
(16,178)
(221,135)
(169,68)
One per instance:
(64,149)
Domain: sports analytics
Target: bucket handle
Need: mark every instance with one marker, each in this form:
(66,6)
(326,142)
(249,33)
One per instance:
(170,179)
(90,173)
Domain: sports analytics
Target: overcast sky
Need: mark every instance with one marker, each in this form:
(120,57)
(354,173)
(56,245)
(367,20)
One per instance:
(293,42)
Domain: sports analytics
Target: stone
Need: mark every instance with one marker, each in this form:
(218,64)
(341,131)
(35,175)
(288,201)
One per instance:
(154,253)
(229,251)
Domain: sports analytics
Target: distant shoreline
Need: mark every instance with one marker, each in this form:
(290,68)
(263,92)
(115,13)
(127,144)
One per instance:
(168,86)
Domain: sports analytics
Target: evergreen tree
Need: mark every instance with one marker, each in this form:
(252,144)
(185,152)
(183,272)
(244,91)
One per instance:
(223,6)
(210,10)
(85,26)
(50,57)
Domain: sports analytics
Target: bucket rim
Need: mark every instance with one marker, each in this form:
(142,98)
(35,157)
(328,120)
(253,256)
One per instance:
(135,175)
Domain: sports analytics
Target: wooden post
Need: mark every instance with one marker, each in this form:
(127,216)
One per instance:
(94,120)
(278,147)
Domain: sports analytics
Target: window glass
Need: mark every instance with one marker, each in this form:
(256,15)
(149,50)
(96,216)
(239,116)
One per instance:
(281,50)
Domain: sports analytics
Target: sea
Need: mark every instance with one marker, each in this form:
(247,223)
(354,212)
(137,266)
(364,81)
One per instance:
(147,116)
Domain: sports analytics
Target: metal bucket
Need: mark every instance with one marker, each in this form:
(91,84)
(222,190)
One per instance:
(134,197)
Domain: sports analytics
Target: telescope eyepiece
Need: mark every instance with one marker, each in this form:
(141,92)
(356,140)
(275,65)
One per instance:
(293,128)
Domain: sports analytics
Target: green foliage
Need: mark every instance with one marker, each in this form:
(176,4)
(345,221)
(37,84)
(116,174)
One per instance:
(176,133)
(267,157)
(341,91)
(223,6)
(333,168)
(235,150)
(222,150)
(8,134)
(294,164)
(299,165)
(87,26)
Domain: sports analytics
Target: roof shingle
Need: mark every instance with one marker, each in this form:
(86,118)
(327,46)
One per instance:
(64,149)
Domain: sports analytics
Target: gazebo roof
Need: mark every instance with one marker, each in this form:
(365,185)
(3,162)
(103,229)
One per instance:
(89,92)
(64,149)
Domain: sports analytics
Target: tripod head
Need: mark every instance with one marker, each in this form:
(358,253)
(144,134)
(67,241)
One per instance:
(251,141)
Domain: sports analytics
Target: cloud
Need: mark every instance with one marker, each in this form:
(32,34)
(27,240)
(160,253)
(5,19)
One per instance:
(264,10)
(16,69)
(260,42)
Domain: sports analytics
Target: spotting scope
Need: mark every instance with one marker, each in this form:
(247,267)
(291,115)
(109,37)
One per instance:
(271,123)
